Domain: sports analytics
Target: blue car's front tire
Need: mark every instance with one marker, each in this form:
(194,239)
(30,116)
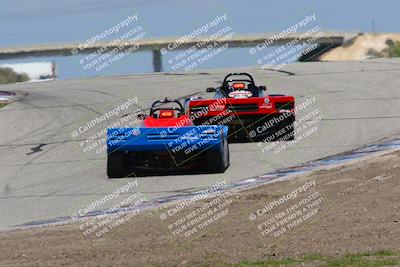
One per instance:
(218,160)
(115,164)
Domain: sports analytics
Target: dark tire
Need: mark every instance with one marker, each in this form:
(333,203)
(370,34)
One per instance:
(290,133)
(115,164)
(217,160)
(226,152)
(291,136)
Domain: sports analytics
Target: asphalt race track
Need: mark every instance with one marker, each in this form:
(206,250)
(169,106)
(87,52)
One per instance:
(45,173)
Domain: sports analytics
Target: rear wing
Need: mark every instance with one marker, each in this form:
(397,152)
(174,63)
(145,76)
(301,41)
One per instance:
(166,138)
(255,105)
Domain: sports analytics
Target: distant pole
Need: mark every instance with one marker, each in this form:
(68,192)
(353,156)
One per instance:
(373,26)
(157,63)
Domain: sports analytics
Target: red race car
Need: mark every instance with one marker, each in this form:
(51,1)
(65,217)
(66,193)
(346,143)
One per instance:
(250,113)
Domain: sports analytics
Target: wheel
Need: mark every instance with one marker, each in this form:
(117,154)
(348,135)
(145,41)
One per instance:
(226,153)
(290,133)
(115,164)
(217,160)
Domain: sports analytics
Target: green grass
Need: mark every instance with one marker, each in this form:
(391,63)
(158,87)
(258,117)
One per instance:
(393,50)
(2,105)
(367,259)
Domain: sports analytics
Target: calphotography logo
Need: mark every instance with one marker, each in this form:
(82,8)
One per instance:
(306,125)
(281,216)
(102,52)
(201,44)
(186,220)
(113,210)
(95,132)
(299,41)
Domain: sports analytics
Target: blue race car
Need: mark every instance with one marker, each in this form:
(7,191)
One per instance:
(167,141)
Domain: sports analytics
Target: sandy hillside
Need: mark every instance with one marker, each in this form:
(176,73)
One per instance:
(359,48)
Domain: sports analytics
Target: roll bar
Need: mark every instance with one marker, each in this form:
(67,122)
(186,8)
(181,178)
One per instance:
(226,81)
(155,106)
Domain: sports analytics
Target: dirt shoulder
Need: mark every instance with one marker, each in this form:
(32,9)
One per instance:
(348,209)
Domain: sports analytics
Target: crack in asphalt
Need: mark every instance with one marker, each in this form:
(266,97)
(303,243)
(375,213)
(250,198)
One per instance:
(289,73)
(36,149)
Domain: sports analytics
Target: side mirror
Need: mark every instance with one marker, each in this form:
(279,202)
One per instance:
(141,116)
(262,88)
(210,90)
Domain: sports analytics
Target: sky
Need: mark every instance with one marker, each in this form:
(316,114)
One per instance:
(48,21)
